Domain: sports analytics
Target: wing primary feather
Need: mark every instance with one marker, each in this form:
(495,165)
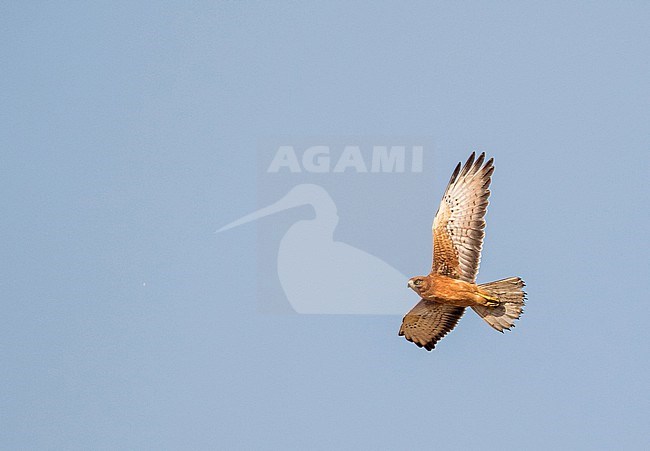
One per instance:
(453,176)
(479,161)
(468,165)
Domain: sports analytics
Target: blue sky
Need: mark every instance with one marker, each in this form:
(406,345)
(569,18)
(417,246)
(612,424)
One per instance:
(131,131)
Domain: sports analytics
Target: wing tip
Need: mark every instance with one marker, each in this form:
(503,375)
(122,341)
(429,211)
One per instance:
(472,166)
(454,176)
(468,164)
(479,161)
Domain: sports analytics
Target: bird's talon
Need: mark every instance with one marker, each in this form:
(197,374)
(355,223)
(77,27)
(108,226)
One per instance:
(490,301)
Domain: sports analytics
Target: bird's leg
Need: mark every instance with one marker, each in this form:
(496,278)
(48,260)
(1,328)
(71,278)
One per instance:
(489,301)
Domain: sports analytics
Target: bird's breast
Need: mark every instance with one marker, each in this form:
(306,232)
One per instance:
(446,290)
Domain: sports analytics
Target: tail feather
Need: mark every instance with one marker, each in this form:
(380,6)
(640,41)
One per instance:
(511,297)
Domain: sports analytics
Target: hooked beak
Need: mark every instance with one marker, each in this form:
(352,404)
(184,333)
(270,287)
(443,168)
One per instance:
(410,285)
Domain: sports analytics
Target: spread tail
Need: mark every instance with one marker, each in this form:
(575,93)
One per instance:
(511,297)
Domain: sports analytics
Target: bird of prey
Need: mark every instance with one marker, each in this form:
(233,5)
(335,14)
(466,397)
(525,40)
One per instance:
(458,231)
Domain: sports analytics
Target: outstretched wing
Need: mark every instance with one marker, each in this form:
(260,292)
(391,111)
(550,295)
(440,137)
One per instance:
(428,322)
(458,228)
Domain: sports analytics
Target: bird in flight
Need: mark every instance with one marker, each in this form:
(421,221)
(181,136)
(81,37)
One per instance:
(450,287)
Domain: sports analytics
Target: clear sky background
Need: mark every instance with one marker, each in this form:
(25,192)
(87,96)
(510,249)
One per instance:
(128,134)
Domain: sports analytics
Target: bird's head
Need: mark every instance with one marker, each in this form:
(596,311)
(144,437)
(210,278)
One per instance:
(419,284)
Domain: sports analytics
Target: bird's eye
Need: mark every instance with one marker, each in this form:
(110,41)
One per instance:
(418,282)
